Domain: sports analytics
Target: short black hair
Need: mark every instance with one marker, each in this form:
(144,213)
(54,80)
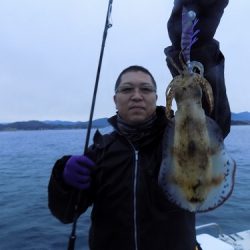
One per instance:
(132,69)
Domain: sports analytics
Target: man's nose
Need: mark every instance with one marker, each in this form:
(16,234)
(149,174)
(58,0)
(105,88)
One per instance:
(137,95)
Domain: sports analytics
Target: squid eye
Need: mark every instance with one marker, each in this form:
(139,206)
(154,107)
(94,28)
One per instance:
(196,70)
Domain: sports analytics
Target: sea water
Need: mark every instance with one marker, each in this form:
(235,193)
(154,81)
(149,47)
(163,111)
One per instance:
(26,160)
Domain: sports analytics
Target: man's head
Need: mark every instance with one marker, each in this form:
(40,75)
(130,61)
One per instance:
(135,95)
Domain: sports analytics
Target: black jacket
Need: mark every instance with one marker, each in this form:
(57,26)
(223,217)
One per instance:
(129,207)
(130,211)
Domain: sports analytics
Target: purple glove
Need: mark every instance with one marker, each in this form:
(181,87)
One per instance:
(77,172)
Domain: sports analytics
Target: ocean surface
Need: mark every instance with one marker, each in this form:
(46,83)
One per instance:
(26,160)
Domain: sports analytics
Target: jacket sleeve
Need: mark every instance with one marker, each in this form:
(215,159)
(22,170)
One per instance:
(62,198)
(213,61)
(209,14)
(206,50)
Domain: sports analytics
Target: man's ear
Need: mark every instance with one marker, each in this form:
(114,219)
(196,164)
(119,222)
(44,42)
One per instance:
(114,98)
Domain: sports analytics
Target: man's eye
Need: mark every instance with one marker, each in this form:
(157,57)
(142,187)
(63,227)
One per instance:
(127,90)
(146,89)
(130,90)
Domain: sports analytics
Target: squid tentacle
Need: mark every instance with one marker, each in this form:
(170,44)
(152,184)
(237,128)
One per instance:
(169,99)
(207,89)
(175,66)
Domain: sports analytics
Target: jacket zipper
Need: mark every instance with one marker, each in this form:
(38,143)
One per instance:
(135,199)
(136,153)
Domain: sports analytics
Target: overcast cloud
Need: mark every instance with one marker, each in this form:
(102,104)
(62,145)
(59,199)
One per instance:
(49,52)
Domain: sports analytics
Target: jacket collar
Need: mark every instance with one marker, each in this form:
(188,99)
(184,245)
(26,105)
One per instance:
(160,113)
(157,128)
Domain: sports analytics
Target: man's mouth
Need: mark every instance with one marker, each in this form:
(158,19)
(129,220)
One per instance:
(136,107)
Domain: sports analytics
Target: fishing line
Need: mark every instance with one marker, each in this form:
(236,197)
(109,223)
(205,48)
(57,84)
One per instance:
(72,238)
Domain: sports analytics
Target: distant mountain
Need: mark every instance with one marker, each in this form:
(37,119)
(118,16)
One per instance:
(58,122)
(99,123)
(45,125)
(30,125)
(243,116)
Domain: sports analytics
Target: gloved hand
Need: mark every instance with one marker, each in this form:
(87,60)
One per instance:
(77,172)
(208,12)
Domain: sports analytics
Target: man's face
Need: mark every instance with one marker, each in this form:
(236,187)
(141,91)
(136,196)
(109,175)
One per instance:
(136,97)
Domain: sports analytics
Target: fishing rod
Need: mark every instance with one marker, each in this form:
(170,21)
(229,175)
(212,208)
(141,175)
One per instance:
(72,238)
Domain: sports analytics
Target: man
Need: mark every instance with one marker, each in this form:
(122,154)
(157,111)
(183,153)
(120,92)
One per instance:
(118,175)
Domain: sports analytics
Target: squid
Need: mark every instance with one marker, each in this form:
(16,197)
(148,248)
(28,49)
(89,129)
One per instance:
(196,172)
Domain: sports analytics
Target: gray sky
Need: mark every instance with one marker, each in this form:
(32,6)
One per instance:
(49,51)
